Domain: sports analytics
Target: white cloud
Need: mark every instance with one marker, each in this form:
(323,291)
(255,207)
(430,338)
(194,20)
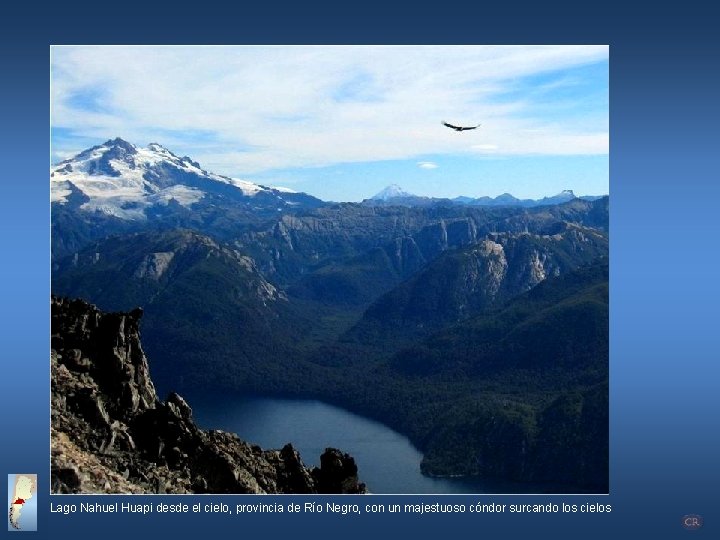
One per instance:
(262,108)
(484,147)
(427,165)
(62,155)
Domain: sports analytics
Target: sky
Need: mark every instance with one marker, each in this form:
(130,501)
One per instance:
(343,122)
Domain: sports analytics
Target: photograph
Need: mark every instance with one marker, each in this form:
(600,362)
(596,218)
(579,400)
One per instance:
(329,269)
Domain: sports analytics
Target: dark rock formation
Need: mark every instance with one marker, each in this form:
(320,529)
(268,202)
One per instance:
(337,473)
(111,433)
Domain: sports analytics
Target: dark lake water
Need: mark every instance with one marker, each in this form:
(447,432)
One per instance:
(387,461)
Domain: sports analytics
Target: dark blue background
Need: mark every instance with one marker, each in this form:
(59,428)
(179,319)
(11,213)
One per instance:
(665,265)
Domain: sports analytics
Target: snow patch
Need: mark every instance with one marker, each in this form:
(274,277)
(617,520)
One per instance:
(249,189)
(183,195)
(60,191)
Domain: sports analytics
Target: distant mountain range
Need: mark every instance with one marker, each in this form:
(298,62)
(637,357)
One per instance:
(395,195)
(119,188)
(128,182)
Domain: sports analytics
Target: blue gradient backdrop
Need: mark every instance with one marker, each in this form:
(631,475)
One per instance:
(665,286)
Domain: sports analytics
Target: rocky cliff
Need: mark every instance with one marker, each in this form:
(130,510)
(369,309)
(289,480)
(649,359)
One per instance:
(471,280)
(111,433)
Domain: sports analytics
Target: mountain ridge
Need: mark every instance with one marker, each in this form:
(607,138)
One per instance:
(395,195)
(551,342)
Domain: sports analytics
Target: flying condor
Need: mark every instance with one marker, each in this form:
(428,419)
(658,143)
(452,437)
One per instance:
(460,128)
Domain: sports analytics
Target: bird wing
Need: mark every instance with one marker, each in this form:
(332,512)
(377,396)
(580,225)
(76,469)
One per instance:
(449,125)
(472,127)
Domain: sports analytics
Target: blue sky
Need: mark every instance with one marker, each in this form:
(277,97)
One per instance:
(342,122)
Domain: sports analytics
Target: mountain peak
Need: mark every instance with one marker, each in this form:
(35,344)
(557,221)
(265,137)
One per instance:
(157,147)
(564,196)
(122,180)
(117,142)
(393,191)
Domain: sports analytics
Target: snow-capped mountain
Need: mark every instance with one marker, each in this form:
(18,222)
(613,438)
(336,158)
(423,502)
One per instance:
(122,180)
(118,188)
(394,195)
(393,191)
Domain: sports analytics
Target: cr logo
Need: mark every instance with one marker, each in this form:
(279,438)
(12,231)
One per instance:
(692,522)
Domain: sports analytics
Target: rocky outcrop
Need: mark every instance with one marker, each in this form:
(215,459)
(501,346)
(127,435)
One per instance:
(470,280)
(111,433)
(337,473)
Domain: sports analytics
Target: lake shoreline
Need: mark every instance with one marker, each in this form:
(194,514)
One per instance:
(388,462)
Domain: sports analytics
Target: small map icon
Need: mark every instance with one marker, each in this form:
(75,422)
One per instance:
(22,502)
